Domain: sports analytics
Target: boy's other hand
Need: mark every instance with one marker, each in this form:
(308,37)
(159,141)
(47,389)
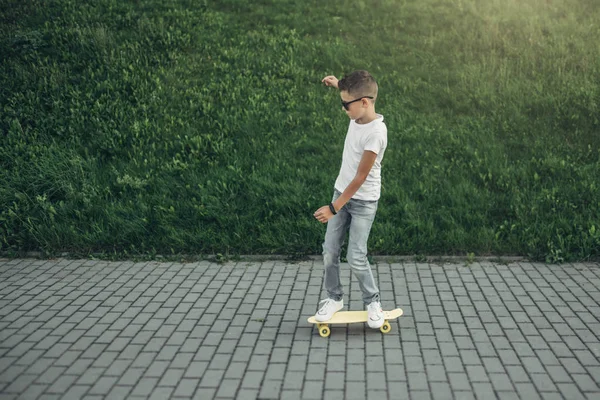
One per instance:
(323,214)
(330,81)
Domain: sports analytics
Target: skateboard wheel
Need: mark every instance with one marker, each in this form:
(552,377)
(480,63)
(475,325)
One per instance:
(324,331)
(386,327)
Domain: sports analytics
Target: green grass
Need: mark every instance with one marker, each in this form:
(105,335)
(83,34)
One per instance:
(144,127)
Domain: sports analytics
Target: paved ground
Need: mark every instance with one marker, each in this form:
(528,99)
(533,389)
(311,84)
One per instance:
(110,330)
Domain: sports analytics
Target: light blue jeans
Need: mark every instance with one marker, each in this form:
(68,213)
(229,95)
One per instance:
(356,217)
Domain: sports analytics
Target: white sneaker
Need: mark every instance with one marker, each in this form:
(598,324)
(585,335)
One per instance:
(375,315)
(328,308)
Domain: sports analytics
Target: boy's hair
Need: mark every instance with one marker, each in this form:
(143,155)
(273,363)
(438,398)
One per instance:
(359,83)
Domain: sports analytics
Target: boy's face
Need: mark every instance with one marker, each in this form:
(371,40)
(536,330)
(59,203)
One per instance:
(355,107)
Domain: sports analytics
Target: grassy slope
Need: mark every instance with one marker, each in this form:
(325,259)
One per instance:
(175,126)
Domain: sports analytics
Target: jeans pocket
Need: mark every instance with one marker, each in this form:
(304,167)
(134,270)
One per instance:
(366,207)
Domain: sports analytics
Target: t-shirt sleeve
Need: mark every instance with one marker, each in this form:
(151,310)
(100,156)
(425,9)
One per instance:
(375,142)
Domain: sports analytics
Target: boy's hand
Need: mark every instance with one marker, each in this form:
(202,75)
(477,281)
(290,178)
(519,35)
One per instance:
(323,214)
(330,81)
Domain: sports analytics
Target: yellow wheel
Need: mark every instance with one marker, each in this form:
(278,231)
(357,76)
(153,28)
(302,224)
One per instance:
(386,327)
(324,331)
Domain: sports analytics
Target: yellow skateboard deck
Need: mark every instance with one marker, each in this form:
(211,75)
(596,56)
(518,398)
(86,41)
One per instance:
(351,317)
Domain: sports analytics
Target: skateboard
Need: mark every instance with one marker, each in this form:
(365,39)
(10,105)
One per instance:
(350,317)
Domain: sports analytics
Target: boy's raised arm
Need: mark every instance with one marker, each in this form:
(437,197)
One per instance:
(330,81)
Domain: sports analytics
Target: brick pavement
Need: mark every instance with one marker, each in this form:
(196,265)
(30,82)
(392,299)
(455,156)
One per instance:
(72,329)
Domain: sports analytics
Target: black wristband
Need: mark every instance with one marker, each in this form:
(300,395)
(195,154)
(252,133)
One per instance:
(332,208)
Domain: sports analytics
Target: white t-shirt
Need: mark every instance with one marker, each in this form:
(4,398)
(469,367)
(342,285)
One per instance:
(362,137)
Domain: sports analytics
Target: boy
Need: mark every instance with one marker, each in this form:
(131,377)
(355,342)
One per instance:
(355,198)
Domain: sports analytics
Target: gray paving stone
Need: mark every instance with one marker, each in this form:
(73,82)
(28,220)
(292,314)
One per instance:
(453,364)
(144,387)
(271,389)
(459,381)
(62,384)
(32,391)
(209,393)
(74,392)
(103,385)
(186,387)
(131,376)
(586,383)
(252,379)
(356,373)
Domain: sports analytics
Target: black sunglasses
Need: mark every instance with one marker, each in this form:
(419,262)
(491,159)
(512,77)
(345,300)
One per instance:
(346,104)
